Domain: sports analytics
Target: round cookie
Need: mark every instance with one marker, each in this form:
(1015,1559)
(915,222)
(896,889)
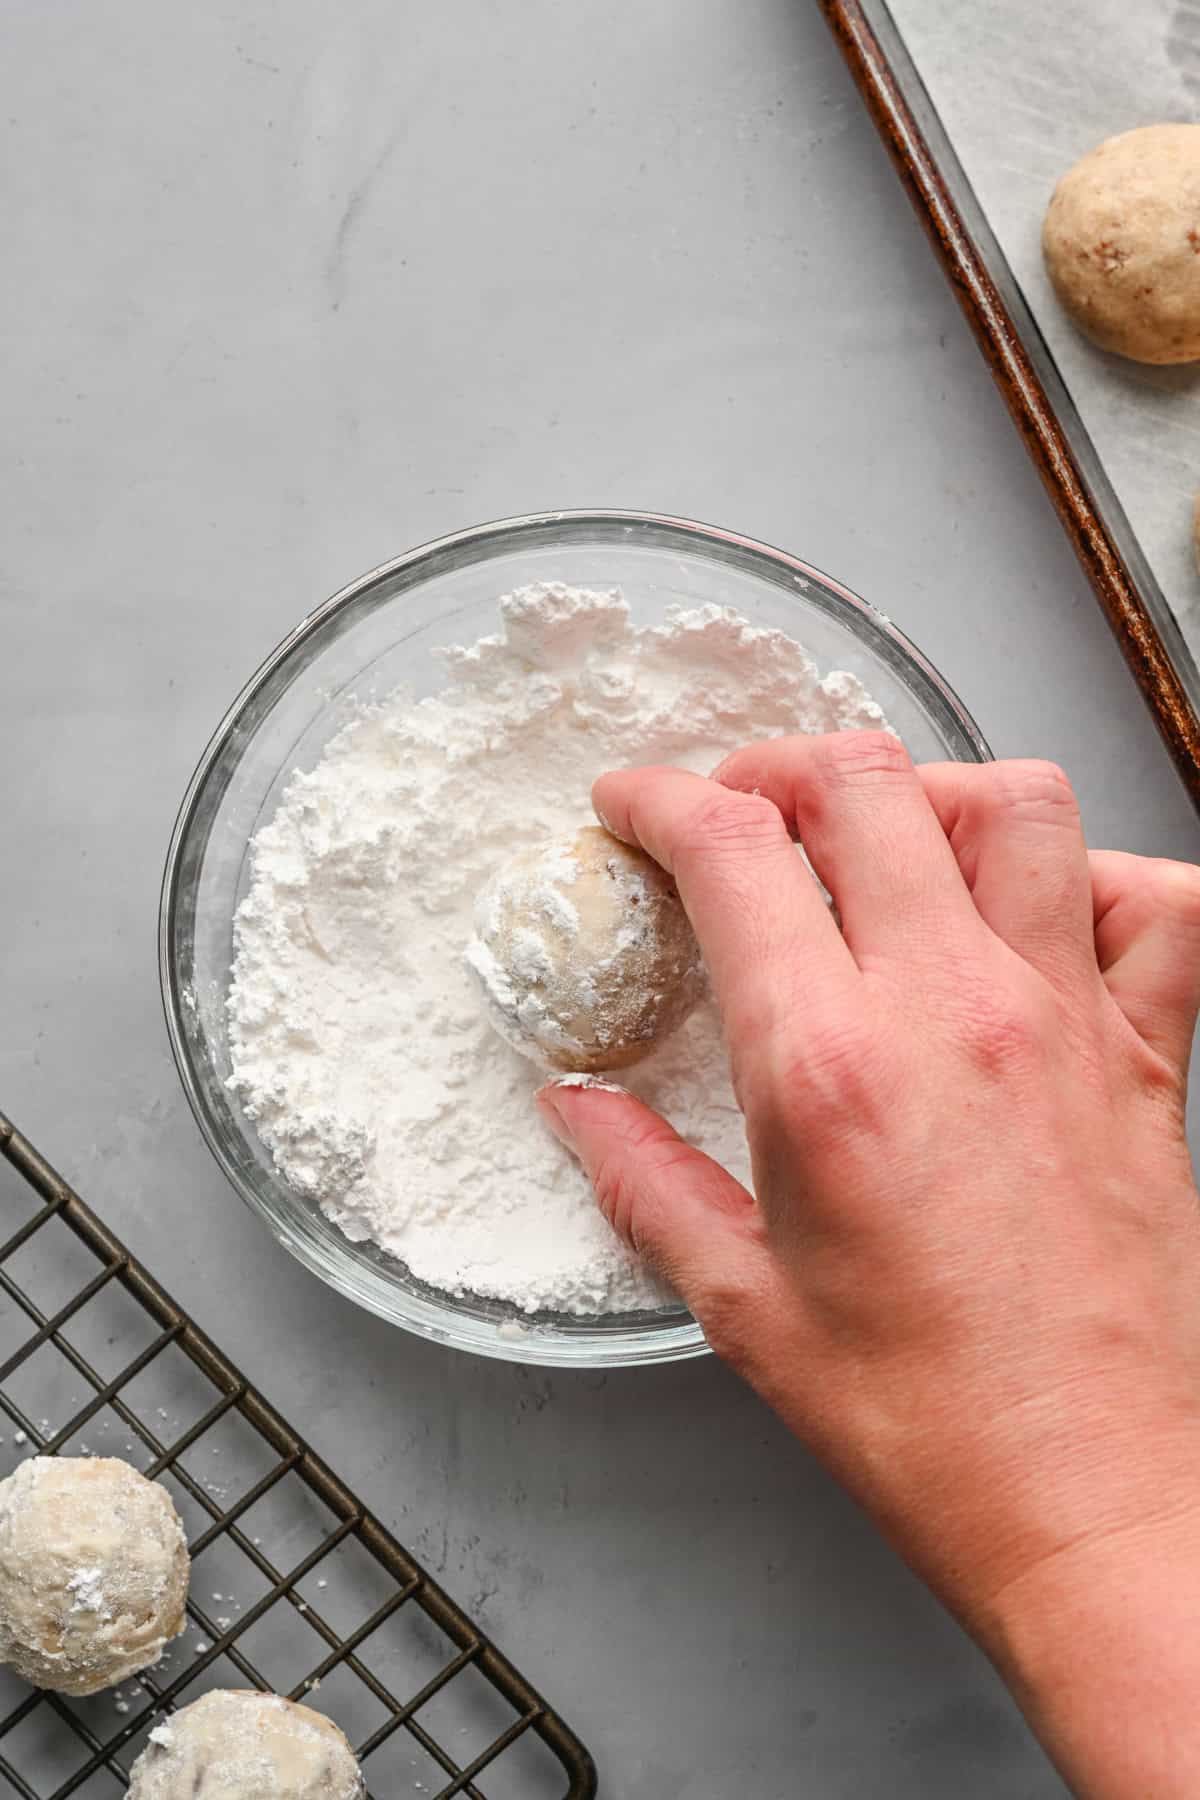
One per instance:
(1121,239)
(93,1572)
(235,1745)
(584,953)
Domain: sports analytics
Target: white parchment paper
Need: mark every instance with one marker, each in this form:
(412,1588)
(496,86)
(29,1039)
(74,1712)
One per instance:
(1024,87)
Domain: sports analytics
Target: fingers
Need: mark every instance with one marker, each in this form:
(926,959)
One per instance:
(884,836)
(694,1224)
(862,814)
(1016,832)
(761,920)
(1147,935)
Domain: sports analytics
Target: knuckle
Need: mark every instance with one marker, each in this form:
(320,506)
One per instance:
(1005,1031)
(1033,789)
(614,1171)
(721,1310)
(829,1075)
(1174,891)
(730,821)
(615,1193)
(865,756)
(642,1153)
(837,1055)
(1165,1082)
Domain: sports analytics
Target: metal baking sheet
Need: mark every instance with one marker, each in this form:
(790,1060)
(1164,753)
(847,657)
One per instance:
(982,108)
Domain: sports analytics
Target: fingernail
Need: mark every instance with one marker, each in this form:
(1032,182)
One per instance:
(547,1105)
(584,1080)
(548,1100)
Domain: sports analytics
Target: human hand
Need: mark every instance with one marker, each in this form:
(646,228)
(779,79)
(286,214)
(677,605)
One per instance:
(970,1278)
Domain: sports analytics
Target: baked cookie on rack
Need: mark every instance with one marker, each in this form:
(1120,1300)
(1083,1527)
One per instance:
(235,1745)
(93,1572)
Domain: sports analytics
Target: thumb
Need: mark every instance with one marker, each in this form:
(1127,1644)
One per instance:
(695,1225)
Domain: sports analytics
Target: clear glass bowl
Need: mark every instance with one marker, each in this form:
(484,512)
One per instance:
(359,645)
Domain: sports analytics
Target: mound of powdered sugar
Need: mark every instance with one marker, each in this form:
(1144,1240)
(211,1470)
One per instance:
(360,1045)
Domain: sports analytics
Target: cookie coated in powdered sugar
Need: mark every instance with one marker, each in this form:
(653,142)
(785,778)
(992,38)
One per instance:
(359,1045)
(238,1745)
(93,1572)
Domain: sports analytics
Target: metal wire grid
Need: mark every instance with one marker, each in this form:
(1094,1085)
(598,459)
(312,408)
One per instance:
(52,1746)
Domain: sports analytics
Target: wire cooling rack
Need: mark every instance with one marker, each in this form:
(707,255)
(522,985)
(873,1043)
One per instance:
(295,1587)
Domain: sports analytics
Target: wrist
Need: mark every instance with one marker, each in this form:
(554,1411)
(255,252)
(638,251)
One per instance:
(1098,1642)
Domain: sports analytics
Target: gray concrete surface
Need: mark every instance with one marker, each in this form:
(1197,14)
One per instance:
(289,288)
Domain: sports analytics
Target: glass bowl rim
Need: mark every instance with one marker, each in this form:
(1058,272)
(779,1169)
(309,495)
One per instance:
(641,1345)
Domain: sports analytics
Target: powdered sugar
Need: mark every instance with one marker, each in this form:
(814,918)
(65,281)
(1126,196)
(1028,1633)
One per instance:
(359,1044)
(580,1079)
(86,1588)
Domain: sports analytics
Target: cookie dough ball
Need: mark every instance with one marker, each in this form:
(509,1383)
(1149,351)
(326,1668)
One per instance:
(93,1572)
(1122,243)
(585,953)
(235,1745)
